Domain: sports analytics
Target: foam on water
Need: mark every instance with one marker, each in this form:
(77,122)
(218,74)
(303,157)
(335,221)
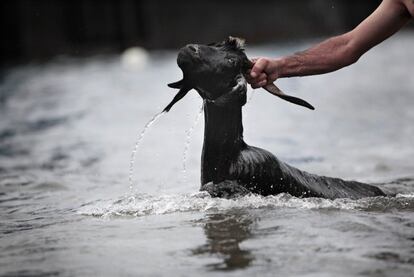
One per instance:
(144,204)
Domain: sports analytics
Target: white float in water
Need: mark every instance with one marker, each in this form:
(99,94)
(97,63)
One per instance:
(135,58)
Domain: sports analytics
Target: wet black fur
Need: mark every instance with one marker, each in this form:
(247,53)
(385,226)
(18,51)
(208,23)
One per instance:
(229,166)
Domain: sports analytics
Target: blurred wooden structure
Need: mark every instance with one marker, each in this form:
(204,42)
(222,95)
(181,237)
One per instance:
(39,29)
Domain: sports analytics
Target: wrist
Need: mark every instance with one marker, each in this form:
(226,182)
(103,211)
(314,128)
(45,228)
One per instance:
(278,65)
(289,66)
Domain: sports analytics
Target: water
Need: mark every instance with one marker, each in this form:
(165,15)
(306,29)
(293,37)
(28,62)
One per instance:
(137,144)
(66,132)
(189,134)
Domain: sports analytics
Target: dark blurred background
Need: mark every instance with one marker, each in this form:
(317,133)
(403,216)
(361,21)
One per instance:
(41,29)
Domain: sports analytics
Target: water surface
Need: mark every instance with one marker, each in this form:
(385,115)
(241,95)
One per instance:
(68,127)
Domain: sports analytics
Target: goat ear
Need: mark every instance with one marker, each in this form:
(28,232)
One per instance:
(183,91)
(273,89)
(235,43)
(178,84)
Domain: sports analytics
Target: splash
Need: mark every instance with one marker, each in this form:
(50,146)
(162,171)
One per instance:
(144,204)
(189,133)
(138,143)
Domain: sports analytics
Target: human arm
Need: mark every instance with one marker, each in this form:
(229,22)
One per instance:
(336,52)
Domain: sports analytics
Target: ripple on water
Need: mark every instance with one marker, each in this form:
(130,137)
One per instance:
(144,204)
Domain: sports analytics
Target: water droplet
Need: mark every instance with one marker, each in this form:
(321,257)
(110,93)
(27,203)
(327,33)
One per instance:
(189,133)
(138,143)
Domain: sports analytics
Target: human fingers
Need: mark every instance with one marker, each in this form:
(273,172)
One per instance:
(259,84)
(258,81)
(271,78)
(258,78)
(258,67)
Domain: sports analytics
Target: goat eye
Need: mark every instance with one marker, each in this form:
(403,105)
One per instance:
(231,61)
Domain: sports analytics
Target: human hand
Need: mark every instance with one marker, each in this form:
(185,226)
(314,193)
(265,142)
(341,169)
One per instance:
(264,71)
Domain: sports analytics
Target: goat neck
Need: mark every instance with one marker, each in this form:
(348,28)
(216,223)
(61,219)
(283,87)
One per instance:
(223,139)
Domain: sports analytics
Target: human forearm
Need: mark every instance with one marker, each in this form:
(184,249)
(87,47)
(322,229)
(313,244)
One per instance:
(328,56)
(336,52)
(343,50)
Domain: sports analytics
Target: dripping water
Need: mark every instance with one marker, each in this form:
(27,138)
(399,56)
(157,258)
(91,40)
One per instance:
(138,143)
(189,133)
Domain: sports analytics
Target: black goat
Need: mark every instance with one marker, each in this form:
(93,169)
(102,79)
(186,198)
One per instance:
(229,166)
